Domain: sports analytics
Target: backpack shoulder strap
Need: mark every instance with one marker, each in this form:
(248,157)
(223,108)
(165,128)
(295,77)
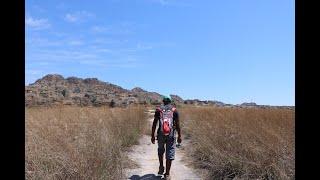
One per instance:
(173,109)
(158,108)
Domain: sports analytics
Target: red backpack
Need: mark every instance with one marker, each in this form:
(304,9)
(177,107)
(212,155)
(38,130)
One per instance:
(166,120)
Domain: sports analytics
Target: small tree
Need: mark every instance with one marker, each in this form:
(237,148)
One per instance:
(112,103)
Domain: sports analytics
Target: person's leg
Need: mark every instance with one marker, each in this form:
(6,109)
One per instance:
(161,167)
(168,166)
(161,151)
(170,154)
(160,159)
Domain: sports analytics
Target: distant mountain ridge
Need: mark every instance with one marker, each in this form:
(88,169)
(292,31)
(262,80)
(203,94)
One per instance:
(54,89)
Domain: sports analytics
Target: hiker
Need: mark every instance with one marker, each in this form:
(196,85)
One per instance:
(168,119)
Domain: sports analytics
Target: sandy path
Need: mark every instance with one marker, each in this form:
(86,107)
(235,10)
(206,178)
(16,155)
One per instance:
(145,155)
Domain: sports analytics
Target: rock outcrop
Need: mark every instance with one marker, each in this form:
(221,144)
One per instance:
(176,99)
(53,89)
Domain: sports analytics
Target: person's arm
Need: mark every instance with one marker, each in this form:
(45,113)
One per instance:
(154,125)
(177,120)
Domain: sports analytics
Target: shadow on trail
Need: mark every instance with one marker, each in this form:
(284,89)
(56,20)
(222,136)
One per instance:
(146,177)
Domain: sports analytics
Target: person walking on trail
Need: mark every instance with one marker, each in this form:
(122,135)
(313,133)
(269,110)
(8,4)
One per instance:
(168,119)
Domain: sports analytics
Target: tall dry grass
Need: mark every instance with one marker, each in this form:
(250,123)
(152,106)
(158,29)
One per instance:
(241,143)
(80,143)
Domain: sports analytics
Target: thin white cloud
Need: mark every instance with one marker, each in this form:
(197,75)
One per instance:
(104,50)
(170,2)
(94,58)
(143,47)
(76,43)
(61,6)
(137,48)
(162,2)
(98,63)
(33,71)
(123,28)
(42,42)
(109,41)
(52,55)
(119,63)
(79,16)
(58,34)
(71,18)
(37,24)
(99,29)
(39,9)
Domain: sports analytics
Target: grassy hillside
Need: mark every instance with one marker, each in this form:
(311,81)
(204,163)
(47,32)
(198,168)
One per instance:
(243,143)
(79,143)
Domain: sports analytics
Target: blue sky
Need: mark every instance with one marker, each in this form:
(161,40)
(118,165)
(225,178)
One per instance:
(232,51)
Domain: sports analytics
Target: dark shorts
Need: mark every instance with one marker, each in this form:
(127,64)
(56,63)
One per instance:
(167,144)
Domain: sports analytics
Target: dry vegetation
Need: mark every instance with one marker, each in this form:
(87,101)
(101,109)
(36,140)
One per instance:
(241,143)
(79,143)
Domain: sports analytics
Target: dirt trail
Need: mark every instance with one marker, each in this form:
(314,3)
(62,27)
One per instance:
(146,157)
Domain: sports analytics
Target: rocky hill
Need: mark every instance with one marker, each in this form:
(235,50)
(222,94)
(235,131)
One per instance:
(54,89)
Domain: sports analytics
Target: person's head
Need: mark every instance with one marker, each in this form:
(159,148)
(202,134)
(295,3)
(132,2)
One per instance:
(166,100)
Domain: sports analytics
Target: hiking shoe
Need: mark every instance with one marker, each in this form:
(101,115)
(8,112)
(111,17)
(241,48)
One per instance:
(161,170)
(166,176)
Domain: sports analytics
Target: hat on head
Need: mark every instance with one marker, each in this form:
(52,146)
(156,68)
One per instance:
(166,99)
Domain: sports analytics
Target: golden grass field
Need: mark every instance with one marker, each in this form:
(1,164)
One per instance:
(241,143)
(80,143)
(89,143)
